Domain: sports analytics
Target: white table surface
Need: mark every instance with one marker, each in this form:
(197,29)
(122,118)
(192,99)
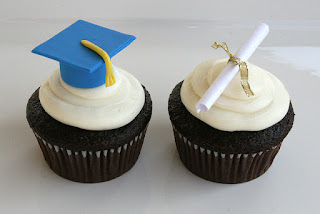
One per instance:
(163,54)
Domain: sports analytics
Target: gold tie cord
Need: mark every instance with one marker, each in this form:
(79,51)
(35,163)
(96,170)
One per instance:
(243,68)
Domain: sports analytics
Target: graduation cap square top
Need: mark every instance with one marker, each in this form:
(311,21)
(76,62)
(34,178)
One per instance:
(80,66)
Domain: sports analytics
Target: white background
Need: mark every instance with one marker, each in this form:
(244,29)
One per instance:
(172,38)
(155,9)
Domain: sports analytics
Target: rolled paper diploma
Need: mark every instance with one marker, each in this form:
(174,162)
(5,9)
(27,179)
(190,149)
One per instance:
(229,72)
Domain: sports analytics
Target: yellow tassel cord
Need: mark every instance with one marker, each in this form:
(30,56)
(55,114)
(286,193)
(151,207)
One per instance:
(110,79)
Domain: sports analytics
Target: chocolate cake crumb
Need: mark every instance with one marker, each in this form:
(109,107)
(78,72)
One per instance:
(77,139)
(226,142)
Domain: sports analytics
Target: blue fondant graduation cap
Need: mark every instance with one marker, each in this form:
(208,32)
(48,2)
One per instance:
(80,66)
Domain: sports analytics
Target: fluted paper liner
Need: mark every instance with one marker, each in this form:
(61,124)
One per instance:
(92,167)
(223,168)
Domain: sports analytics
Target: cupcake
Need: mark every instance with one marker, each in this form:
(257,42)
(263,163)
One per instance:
(238,138)
(89,117)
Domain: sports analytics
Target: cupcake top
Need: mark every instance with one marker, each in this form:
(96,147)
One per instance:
(87,91)
(234,110)
(99,108)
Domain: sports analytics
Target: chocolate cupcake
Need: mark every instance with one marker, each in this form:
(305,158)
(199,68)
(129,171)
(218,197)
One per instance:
(238,138)
(89,117)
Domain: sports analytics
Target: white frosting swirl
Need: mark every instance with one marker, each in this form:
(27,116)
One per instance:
(234,110)
(100,108)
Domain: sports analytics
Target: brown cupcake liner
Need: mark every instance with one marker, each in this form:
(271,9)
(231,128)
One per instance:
(223,168)
(92,166)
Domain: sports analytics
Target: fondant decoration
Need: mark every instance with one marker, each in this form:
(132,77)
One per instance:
(110,79)
(228,73)
(79,66)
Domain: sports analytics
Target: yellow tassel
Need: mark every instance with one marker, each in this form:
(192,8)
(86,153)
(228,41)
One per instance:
(110,79)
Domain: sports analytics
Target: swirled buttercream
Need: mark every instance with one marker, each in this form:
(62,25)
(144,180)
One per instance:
(100,108)
(234,110)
